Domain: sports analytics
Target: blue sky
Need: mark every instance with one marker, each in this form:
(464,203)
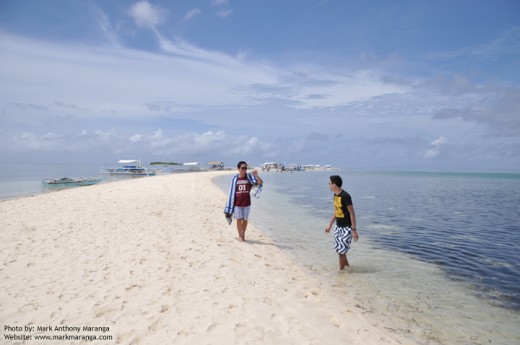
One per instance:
(400,85)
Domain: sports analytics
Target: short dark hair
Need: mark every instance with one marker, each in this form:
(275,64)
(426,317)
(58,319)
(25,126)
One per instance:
(336,179)
(240,163)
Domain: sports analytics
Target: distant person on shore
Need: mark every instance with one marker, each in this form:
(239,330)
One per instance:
(345,218)
(239,200)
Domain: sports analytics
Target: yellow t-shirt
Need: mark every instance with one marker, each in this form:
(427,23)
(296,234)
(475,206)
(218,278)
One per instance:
(341,202)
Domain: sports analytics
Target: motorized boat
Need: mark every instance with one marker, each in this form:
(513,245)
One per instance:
(131,167)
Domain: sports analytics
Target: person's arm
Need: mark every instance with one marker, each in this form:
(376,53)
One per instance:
(258,179)
(355,234)
(332,220)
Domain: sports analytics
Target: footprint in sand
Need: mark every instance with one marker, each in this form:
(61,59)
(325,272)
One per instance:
(99,312)
(155,325)
(241,328)
(312,294)
(130,288)
(128,338)
(27,308)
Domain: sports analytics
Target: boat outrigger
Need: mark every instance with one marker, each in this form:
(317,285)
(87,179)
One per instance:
(132,167)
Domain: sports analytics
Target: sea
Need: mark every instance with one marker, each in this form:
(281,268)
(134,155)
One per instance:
(23,179)
(440,250)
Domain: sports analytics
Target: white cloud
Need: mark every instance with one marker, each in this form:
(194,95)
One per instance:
(497,108)
(116,82)
(435,148)
(136,138)
(121,83)
(107,28)
(192,14)
(224,13)
(220,2)
(157,135)
(208,143)
(223,8)
(147,15)
(105,136)
(211,143)
(507,44)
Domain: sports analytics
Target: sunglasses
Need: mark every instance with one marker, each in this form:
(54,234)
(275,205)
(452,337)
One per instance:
(243,168)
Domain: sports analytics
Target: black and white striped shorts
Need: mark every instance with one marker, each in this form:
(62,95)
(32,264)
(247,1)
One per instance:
(342,239)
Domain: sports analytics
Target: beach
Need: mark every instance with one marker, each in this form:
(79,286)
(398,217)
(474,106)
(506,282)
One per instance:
(153,261)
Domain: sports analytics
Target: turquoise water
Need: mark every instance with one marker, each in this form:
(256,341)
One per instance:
(25,179)
(466,224)
(19,179)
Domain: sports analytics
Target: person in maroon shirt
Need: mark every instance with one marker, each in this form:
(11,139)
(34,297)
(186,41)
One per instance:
(241,186)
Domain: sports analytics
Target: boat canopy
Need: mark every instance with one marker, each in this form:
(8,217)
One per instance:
(128,161)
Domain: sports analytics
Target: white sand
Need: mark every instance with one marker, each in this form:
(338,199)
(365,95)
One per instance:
(154,260)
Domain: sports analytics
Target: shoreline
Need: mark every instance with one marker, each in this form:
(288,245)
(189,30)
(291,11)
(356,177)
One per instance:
(155,261)
(432,306)
(148,260)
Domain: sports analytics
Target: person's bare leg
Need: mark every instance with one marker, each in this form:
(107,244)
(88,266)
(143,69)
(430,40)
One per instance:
(241,228)
(343,262)
(244,227)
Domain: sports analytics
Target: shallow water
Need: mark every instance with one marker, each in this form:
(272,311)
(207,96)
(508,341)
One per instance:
(26,178)
(426,257)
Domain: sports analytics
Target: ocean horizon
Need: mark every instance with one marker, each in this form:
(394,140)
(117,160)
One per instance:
(19,179)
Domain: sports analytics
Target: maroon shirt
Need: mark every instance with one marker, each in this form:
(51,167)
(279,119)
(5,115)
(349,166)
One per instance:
(242,197)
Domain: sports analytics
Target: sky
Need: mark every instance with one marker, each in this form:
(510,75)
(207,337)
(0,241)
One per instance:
(376,84)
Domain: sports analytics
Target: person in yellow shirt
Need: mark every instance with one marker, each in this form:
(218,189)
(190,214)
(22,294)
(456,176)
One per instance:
(345,219)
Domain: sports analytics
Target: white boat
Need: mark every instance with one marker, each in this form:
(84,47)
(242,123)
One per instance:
(268,166)
(191,166)
(317,167)
(293,167)
(131,167)
(216,165)
(66,182)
